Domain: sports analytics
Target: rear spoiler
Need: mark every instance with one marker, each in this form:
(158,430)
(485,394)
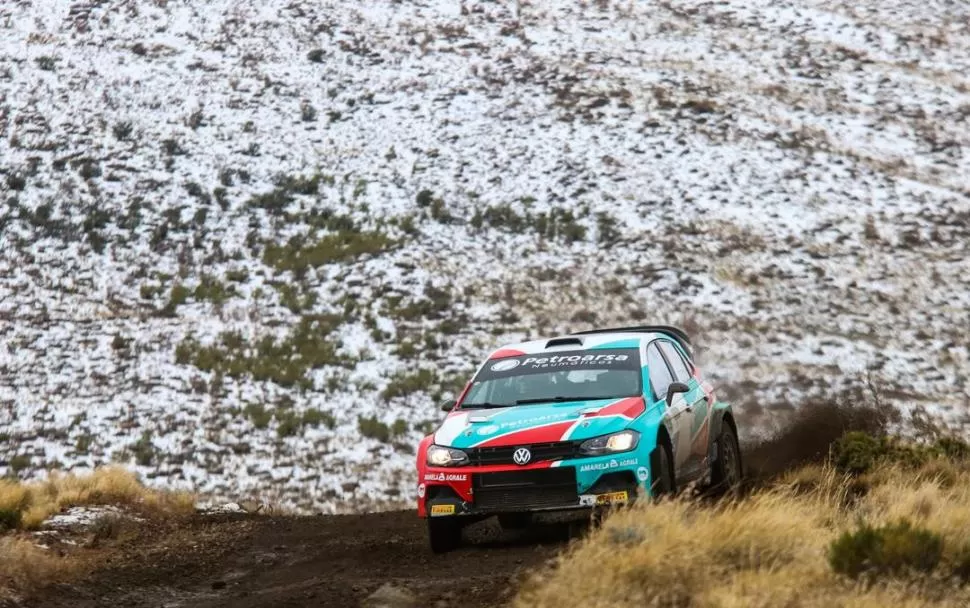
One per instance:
(678,334)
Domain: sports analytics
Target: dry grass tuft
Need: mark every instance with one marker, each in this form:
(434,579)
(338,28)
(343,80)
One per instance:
(25,566)
(28,505)
(772,548)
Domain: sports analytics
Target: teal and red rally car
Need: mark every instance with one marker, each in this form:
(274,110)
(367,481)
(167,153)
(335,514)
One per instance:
(575,422)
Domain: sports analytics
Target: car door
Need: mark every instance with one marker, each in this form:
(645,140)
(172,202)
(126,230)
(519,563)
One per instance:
(661,378)
(693,422)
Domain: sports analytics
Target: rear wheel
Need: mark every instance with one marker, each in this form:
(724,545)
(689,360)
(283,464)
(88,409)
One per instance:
(726,472)
(663,471)
(444,535)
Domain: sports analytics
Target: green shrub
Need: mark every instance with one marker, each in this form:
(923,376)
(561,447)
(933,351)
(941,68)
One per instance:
(288,423)
(240,275)
(857,452)
(299,184)
(274,202)
(400,427)
(83,443)
(258,415)
(19,463)
(148,292)
(373,428)
(10,518)
(893,550)
(298,255)
(213,290)
(122,130)
(295,298)
(178,296)
(404,384)
(144,450)
(284,361)
(953,448)
(424,198)
(46,63)
(606,229)
(316,418)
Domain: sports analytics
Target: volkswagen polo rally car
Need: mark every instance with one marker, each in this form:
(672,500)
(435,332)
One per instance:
(576,422)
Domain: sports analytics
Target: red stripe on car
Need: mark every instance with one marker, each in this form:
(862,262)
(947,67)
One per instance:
(540,434)
(628,408)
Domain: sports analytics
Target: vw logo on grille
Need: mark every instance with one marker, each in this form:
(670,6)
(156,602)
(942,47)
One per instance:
(522,456)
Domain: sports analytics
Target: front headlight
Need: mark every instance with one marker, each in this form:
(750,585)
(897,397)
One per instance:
(440,456)
(624,441)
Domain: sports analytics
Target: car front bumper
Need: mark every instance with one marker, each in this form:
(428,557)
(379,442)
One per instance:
(553,487)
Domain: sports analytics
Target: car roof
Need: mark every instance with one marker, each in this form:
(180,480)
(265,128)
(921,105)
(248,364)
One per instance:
(623,337)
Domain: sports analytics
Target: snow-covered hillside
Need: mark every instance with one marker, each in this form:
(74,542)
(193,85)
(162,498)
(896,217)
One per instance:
(247,245)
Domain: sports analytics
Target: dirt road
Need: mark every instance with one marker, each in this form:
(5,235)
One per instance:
(250,561)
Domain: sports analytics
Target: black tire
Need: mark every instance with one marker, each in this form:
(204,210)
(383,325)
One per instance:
(444,535)
(662,471)
(727,471)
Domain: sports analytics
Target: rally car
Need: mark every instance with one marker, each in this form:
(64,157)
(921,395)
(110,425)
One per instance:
(581,421)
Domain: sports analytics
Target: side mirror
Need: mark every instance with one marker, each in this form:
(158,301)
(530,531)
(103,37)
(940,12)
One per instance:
(447,406)
(675,388)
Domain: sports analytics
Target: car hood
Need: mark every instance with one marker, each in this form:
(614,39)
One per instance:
(538,423)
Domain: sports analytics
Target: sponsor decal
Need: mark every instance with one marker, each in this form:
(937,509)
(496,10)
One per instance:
(598,359)
(445,477)
(488,430)
(611,498)
(587,500)
(421,490)
(522,456)
(505,365)
(610,464)
(643,474)
(438,510)
(534,421)
(568,361)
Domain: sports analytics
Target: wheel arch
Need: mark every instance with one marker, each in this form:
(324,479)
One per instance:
(723,415)
(662,440)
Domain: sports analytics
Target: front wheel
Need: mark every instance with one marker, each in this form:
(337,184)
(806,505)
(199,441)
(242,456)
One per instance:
(444,535)
(663,471)
(726,472)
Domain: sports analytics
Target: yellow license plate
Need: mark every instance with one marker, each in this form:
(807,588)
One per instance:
(611,497)
(445,509)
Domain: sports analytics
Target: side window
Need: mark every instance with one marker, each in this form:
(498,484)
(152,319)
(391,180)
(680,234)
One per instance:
(660,377)
(681,373)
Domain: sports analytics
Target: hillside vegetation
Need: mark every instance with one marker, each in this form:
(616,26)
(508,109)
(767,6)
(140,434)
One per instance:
(247,245)
(877,522)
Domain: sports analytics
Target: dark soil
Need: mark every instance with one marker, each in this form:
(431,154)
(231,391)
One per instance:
(250,561)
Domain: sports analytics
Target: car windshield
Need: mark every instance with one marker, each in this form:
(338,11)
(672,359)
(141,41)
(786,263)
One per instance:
(558,376)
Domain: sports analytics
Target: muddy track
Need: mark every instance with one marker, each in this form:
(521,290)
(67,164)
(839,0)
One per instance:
(250,561)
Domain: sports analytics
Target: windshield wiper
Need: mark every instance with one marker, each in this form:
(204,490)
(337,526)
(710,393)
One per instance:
(608,397)
(483,406)
(560,399)
(557,399)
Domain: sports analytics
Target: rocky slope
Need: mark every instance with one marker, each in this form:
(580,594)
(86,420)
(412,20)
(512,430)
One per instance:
(245,246)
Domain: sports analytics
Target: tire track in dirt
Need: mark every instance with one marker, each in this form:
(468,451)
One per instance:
(288,562)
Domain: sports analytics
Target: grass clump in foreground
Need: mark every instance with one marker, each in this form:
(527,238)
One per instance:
(25,506)
(28,505)
(888,528)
